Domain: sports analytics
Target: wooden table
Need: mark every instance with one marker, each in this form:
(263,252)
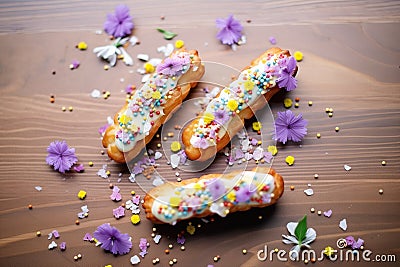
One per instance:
(351,64)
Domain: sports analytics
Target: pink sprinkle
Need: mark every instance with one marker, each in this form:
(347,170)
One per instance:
(272,40)
(328,213)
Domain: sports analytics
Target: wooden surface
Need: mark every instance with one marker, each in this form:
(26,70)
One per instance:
(351,64)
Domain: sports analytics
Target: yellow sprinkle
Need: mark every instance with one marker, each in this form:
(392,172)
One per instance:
(133,193)
(383,163)
(232,104)
(244,251)
(337,129)
(298,56)
(91,163)
(208,117)
(190,229)
(63,108)
(124,119)
(175,146)
(148,67)
(82,194)
(82,46)
(290,160)
(318,135)
(174,201)
(109,265)
(257,126)
(108,173)
(70,108)
(179,44)
(329,251)
(231,195)
(156,95)
(287,102)
(135,219)
(106,67)
(310,103)
(248,85)
(273,150)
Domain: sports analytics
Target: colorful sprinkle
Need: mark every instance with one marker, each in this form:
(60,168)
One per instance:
(82,194)
(175,146)
(82,46)
(289,160)
(179,44)
(135,219)
(298,56)
(287,102)
(257,126)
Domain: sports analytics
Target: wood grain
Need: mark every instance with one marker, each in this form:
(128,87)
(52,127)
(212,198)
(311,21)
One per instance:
(351,64)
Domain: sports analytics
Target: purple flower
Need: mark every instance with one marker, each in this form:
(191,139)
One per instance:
(103,129)
(286,78)
(290,127)
(112,239)
(350,240)
(221,116)
(79,168)
(136,199)
(119,24)
(201,143)
(244,193)
(119,212)
(170,66)
(87,237)
(116,195)
(63,246)
(61,156)
(268,156)
(180,239)
(137,169)
(230,30)
(216,188)
(143,247)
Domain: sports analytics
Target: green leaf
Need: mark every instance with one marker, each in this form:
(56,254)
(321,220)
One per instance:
(167,34)
(301,229)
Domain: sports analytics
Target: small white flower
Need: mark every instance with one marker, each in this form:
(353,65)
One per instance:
(110,52)
(311,234)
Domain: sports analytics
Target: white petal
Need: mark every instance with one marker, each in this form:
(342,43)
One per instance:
(157,155)
(132,178)
(110,120)
(168,50)
(347,167)
(145,78)
(175,159)
(293,255)
(343,224)
(143,57)
(127,58)
(133,40)
(289,239)
(311,235)
(135,260)
(291,227)
(157,239)
(155,61)
(309,192)
(95,93)
(52,245)
(38,188)
(112,60)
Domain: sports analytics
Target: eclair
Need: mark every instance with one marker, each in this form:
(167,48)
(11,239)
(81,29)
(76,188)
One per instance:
(211,194)
(224,115)
(150,106)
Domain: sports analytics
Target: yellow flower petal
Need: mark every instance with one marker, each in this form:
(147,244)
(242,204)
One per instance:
(156,95)
(82,194)
(257,126)
(248,85)
(290,160)
(208,117)
(232,104)
(190,229)
(287,102)
(298,56)
(231,196)
(124,119)
(175,146)
(135,219)
(82,46)
(273,150)
(174,201)
(179,44)
(329,251)
(148,67)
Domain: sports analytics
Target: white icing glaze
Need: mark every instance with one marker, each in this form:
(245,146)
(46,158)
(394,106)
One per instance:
(178,203)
